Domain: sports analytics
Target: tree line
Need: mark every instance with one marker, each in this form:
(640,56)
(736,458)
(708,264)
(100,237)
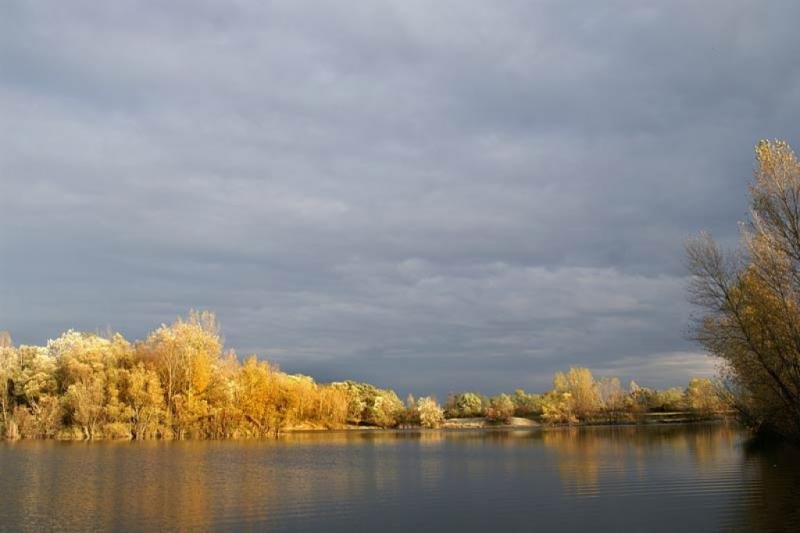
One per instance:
(578,397)
(179,383)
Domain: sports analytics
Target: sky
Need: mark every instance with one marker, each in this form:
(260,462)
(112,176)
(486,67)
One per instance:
(429,196)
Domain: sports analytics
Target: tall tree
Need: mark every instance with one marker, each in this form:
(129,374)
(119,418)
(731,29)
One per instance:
(185,355)
(579,383)
(751,298)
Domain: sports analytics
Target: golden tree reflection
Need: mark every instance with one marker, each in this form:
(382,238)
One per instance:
(588,459)
(308,476)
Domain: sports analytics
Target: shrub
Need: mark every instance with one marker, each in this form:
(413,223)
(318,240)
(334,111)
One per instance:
(526,405)
(500,409)
(431,415)
(465,405)
(557,408)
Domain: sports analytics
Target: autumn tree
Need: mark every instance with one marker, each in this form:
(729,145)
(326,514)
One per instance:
(500,408)
(35,390)
(701,396)
(185,355)
(224,417)
(610,393)
(9,368)
(331,406)
(257,394)
(558,407)
(410,415)
(429,412)
(751,298)
(465,405)
(369,405)
(81,363)
(145,397)
(525,404)
(579,384)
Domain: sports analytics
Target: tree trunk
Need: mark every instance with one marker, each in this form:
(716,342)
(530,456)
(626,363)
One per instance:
(12,430)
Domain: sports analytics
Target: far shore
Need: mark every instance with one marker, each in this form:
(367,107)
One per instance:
(526,423)
(181,383)
(471,424)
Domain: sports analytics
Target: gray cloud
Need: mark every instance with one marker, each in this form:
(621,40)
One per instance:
(430,197)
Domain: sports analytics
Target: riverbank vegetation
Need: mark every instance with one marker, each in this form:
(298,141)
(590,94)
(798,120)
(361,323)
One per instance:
(751,298)
(181,383)
(577,397)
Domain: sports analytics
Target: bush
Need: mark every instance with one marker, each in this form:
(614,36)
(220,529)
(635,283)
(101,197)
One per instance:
(526,405)
(500,409)
(667,400)
(702,396)
(372,406)
(431,415)
(465,405)
(557,408)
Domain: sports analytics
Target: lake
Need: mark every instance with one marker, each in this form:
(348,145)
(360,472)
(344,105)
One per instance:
(655,478)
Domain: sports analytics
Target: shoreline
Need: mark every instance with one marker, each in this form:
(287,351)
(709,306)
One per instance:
(518,423)
(476,424)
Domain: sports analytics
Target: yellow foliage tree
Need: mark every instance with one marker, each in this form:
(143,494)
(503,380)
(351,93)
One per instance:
(752,299)
(583,396)
(185,355)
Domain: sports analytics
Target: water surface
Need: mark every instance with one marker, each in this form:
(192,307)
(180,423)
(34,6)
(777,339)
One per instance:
(663,478)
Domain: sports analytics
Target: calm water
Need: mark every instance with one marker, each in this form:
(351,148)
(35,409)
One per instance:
(701,478)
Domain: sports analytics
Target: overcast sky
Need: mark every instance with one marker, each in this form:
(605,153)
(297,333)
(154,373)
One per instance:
(430,196)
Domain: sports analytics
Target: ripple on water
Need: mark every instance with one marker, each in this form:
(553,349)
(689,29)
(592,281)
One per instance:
(701,477)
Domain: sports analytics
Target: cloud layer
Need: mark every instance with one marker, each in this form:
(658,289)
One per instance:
(427,196)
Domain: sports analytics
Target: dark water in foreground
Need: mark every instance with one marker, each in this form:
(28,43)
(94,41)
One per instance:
(666,478)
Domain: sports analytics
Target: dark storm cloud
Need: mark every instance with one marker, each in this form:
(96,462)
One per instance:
(427,196)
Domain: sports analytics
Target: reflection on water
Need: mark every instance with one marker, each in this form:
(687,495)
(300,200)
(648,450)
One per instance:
(707,477)
(774,469)
(628,457)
